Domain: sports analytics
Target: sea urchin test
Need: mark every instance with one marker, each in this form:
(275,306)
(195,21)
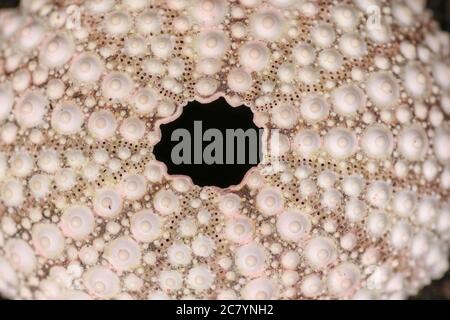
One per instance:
(353,204)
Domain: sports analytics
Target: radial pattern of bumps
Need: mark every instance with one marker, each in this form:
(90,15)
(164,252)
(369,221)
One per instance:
(354,204)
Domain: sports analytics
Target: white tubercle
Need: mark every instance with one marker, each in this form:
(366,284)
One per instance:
(293,225)
(348,100)
(20,255)
(39,185)
(6,100)
(117,86)
(250,259)
(48,240)
(270,201)
(179,254)
(323,35)
(161,46)
(203,246)
(378,194)
(340,143)
(260,289)
(416,80)
(267,24)
(400,234)
(349,199)
(132,129)
(377,141)
(383,90)
(148,21)
(102,124)
(57,51)
(146,226)
(343,279)
(377,223)
(77,222)
(166,202)
(254,55)
(314,108)
(30,109)
(239,80)
(330,60)
(239,229)
(170,280)
(200,278)
(209,12)
(86,68)
(212,44)
(133,186)
(355,210)
(67,119)
(345,17)
(413,143)
(404,202)
(353,185)
(21,164)
(306,143)
(145,100)
(320,252)
(123,253)
(312,285)
(304,54)
(31,36)
(284,116)
(352,46)
(117,23)
(100,6)
(229,204)
(101,282)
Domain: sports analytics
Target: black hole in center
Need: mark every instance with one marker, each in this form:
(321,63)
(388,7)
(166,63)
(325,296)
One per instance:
(9,3)
(227,120)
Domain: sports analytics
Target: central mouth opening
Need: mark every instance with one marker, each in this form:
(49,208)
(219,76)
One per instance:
(214,143)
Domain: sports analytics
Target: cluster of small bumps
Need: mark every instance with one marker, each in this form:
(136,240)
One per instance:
(357,205)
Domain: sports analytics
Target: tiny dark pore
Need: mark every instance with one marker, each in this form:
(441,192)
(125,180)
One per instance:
(215,115)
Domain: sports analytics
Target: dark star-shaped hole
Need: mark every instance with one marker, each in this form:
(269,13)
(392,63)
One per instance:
(218,157)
